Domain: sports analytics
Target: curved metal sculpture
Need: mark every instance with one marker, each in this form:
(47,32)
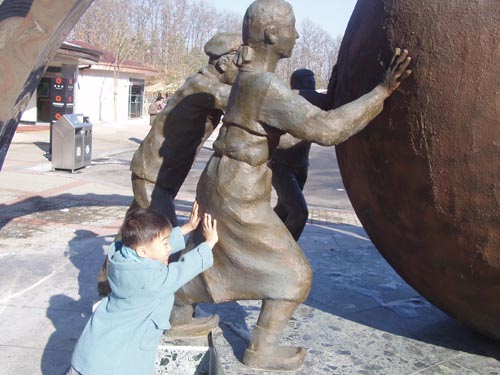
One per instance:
(31,31)
(424,177)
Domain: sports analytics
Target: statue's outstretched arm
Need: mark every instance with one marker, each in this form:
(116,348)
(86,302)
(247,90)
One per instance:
(305,121)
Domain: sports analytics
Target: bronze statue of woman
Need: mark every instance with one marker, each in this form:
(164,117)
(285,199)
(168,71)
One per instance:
(256,257)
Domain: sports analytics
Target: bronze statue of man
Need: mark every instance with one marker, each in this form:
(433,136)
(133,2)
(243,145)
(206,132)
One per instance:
(290,161)
(165,156)
(256,257)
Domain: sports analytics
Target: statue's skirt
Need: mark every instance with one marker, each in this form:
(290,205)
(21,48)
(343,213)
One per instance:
(256,257)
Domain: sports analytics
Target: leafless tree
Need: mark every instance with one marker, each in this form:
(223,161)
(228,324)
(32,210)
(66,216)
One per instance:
(108,24)
(315,50)
(169,35)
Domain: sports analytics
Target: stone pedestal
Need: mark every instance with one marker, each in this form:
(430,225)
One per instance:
(360,318)
(188,356)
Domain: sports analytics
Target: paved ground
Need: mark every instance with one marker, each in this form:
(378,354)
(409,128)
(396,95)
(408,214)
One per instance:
(360,318)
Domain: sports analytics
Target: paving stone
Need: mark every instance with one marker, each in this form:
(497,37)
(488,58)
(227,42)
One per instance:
(360,317)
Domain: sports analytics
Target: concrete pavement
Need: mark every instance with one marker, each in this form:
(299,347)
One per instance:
(360,317)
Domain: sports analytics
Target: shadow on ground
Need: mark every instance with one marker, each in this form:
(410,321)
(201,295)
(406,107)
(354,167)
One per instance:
(54,208)
(136,140)
(354,282)
(351,281)
(69,315)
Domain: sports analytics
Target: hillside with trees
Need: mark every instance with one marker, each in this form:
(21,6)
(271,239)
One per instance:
(169,35)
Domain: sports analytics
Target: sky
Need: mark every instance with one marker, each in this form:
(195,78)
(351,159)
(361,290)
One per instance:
(331,15)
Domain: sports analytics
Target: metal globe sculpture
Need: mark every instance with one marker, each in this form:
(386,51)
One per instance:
(424,177)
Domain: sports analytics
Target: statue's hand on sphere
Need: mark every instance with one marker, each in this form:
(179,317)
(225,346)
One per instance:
(397,70)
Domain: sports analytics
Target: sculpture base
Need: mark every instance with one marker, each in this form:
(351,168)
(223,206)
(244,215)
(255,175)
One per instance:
(360,317)
(185,356)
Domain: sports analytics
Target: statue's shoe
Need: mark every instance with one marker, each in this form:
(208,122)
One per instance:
(280,358)
(195,327)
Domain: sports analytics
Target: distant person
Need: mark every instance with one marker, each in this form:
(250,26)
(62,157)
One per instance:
(154,109)
(123,333)
(290,161)
(165,101)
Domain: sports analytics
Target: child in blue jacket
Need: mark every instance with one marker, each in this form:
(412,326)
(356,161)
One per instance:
(123,333)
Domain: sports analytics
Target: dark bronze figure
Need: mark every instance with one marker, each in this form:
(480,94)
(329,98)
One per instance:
(424,178)
(256,257)
(166,154)
(290,161)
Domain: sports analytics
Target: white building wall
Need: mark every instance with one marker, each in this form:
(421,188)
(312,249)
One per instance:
(94,96)
(30,113)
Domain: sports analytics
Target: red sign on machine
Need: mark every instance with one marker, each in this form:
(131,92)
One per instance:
(61,97)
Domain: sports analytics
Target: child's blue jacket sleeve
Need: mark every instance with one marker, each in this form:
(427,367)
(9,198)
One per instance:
(177,242)
(176,274)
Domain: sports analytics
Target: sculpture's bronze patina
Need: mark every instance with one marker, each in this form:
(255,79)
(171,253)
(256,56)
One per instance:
(290,161)
(256,257)
(165,156)
(424,178)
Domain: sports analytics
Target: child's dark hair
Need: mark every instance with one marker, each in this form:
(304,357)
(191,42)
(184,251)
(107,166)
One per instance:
(143,225)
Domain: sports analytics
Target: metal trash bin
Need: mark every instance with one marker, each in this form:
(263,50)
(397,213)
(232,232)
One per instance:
(71,142)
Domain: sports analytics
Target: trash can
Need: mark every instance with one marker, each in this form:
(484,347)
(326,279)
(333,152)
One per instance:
(71,142)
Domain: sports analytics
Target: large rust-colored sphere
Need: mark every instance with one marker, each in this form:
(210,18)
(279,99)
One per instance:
(424,176)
